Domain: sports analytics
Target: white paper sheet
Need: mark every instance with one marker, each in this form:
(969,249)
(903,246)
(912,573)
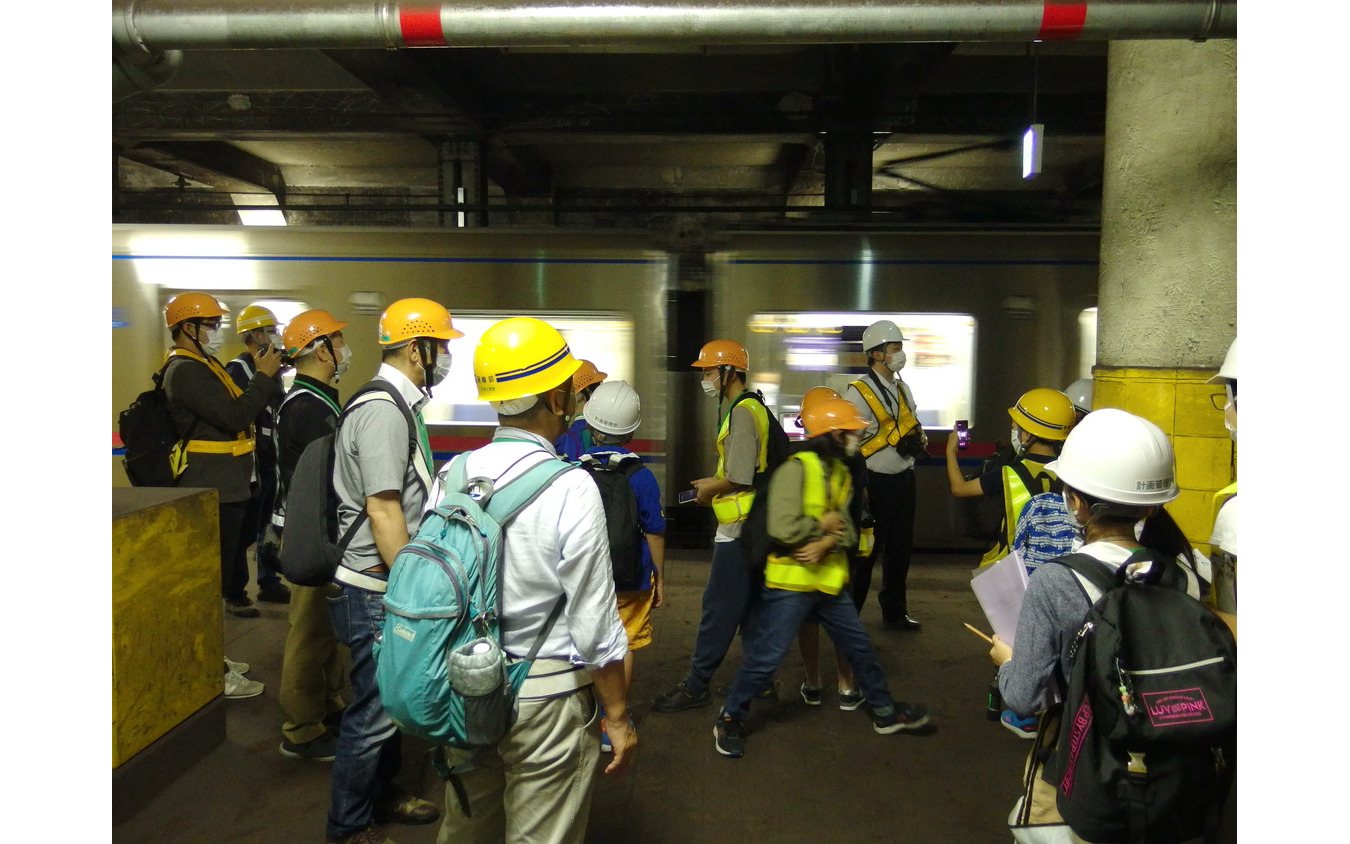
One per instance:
(1000,588)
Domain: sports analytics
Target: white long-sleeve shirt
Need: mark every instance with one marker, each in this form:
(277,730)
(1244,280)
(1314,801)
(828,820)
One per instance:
(559,544)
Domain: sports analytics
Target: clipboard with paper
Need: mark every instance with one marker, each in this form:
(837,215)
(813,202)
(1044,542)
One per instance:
(1000,588)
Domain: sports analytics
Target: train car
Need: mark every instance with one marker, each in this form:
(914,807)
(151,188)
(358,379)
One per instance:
(988,315)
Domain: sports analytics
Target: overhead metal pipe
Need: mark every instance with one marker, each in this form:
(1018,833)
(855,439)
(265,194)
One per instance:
(150,26)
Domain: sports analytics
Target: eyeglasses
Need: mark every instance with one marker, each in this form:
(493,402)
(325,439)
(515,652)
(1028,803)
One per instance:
(1221,401)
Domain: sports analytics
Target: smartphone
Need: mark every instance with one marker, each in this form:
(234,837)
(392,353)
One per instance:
(688,496)
(962,434)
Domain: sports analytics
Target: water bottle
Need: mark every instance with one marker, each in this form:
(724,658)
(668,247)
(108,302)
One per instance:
(995,702)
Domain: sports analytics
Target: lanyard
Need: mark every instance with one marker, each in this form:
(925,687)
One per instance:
(313,391)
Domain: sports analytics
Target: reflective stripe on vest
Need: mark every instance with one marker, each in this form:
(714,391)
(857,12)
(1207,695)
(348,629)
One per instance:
(735,506)
(830,574)
(888,427)
(242,444)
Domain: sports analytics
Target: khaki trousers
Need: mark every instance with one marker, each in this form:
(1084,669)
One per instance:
(535,786)
(313,667)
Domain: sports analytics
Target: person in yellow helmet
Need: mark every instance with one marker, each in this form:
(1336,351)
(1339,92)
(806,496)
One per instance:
(556,554)
(577,439)
(382,474)
(742,442)
(258,329)
(807,574)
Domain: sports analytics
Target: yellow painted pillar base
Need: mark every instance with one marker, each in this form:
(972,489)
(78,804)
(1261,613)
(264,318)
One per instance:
(1178,401)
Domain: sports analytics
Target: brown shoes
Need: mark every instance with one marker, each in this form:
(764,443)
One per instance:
(401,807)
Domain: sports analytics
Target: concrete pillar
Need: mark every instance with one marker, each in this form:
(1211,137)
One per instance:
(1167,306)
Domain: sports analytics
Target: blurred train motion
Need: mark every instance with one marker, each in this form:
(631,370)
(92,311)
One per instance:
(987,316)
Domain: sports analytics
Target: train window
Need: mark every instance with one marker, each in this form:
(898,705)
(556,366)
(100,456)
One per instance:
(793,352)
(1087,341)
(604,338)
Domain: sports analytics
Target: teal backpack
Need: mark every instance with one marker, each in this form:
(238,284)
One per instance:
(440,667)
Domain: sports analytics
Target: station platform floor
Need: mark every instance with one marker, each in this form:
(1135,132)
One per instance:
(810,774)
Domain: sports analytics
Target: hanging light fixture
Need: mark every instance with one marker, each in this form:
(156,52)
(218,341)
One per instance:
(1033,140)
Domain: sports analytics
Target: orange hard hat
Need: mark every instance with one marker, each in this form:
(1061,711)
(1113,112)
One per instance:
(815,394)
(827,415)
(192,306)
(407,319)
(308,327)
(587,376)
(722,353)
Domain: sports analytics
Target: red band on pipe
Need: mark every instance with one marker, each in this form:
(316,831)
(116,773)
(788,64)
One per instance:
(421,27)
(1062,21)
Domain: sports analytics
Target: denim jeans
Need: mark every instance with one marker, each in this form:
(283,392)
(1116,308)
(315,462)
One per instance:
(725,600)
(771,631)
(368,748)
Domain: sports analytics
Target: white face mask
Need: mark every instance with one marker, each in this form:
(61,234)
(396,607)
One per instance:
(852,444)
(211,340)
(442,369)
(896,362)
(1230,413)
(710,387)
(1073,517)
(1017,439)
(343,363)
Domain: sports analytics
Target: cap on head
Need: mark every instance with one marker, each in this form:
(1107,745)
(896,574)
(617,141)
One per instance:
(254,316)
(408,319)
(1118,457)
(192,306)
(1044,413)
(520,357)
(614,408)
(587,375)
(825,415)
(308,327)
(723,353)
(1228,371)
(880,333)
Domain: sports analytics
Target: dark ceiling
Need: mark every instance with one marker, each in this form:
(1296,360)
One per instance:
(857,135)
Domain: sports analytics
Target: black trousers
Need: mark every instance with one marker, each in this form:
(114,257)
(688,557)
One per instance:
(891,499)
(233,559)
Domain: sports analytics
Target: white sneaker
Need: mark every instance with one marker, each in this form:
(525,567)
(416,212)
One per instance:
(241,667)
(238,686)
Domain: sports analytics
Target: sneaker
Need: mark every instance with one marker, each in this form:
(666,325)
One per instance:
(241,609)
(905,717)
(1020,727)
(237,667)
(850,699)
(321,749)
(679,699)
(605,746)
(729,737)
(238,686)
(275,593)
(811,695)
(369,835)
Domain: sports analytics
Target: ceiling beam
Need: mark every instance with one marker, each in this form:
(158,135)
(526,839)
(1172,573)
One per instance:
(213,163)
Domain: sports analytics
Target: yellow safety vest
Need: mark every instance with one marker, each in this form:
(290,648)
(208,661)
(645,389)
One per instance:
(1221,498)
(830,575)
(890,430)
(242,444)
(1015,497)
(735,506)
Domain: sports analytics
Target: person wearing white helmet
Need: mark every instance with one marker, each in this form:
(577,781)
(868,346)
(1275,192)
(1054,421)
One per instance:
(1080,393)
(892,441)
(1224,537)
(612,414)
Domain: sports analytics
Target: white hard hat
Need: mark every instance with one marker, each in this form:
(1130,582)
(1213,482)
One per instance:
(1080,393)
(1118,457)
(614,408)
(1227,372)
(880,333)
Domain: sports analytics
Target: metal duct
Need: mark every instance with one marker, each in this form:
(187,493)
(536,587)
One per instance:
(148,26)
(142,72)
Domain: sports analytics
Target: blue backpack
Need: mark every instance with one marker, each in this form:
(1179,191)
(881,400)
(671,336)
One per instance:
(440,667)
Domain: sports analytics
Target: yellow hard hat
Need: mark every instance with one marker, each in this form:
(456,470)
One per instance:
(722,353)
(191,306)
(254,316)
(519,357)
(826,415)
(308,327)
(1044,413)
(407,319)
(587,375)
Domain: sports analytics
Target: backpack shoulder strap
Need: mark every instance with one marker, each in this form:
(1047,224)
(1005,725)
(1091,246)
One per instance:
(507,502)
(378,389)
(629,464)
(1094,576)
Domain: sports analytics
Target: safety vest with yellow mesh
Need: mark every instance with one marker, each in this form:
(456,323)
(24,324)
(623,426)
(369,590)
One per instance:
(830,574)
(1018,479)
(242,444)
(735,506)
(890,428)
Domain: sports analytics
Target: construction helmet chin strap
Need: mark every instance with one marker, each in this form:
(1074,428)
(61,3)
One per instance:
(428,351)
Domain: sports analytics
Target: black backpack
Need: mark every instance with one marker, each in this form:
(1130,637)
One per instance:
(310,549)
(611,476)
(1149,734)
(756,543)
(149,436)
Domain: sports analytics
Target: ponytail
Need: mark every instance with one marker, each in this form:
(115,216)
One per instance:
(1161,533)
